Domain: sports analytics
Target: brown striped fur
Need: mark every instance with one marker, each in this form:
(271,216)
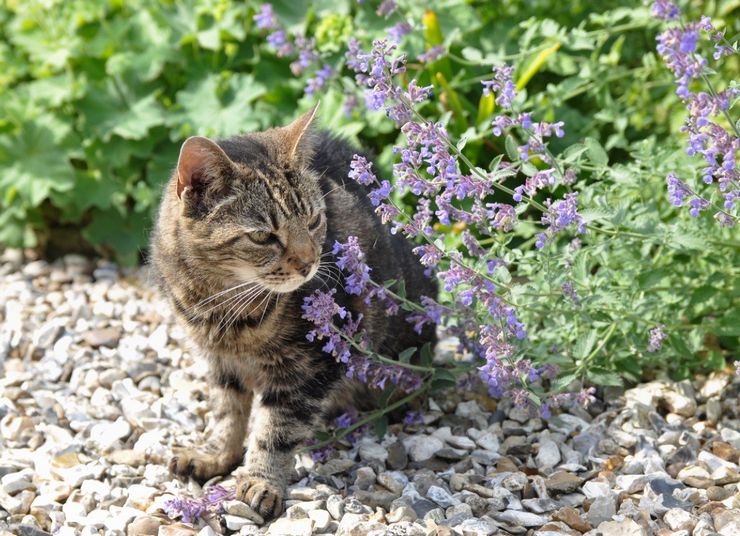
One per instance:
(253,336)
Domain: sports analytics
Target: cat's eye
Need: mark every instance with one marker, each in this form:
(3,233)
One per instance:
(261,237)
(315,222)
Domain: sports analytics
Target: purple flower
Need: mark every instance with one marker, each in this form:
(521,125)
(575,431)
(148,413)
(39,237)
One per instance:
(665,10)
(361,170)
(569,292)
(501,216)
(307,56)
(381,193)
(319,80)
(429,255)
(351,259)
(413,418)
(560,215)
(397,31)
(657,336)
(189,510)
(432,54)
(265,19)
(502,84)
(350,104)
(433,313)
(279,41)
(677,189)
(386,7)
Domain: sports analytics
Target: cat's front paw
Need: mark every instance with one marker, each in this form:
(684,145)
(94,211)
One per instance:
(200,465)
(261,495)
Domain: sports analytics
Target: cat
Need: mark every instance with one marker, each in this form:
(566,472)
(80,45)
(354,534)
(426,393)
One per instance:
(257,214)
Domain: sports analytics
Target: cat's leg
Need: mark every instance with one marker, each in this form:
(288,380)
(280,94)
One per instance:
(223,450)
(283,419)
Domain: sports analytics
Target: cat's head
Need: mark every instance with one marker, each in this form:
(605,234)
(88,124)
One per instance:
(250,209)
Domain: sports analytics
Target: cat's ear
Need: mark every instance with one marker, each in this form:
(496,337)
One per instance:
(297,135)
(200,162)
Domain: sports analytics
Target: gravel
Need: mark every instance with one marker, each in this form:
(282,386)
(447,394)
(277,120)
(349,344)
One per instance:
(97,385)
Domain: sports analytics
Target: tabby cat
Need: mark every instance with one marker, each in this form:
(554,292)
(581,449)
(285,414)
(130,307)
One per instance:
(243,228)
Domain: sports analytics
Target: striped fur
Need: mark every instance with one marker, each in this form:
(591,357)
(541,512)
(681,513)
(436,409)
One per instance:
(253,336)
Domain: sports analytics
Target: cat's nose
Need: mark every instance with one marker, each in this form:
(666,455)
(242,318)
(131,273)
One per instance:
(302,267)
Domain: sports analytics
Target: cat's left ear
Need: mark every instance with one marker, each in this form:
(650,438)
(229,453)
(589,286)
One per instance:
(297,135)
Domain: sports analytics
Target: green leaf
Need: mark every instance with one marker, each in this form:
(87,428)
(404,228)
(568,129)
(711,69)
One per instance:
(601,376)
(405,356)
(215,107)
(443,379)
(380,426)
(585,344)
(511,148)
(563,382)
(596,152)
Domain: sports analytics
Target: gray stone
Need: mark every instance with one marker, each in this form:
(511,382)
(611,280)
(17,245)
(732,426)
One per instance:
(548,455)
(371,452)
(335,506)
(602,509)
(422,448)
(540,506)
(441,496)
(397,456)
(525,519)
(478,527)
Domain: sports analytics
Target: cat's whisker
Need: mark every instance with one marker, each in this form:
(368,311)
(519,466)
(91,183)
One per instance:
(231,298)
(236,308)
(214,296)
(325,274)
(265,309)
(332,190)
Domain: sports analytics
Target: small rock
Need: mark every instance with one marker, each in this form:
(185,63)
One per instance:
(402,513)
(631,483)
(679,519)
(291,527)
(602,509)
(678,403)
(572,518)
(695,476)
(424,447)
(321,520)
(478,527)
(240,509)
(563,482)
(441,496)
(144,526)
(524,519)
(335,506)
(371,452)
(626,527)
(335,466)
(103,337)
(397,456)
(727,522)
(548,455)
(716,493)
(236,522)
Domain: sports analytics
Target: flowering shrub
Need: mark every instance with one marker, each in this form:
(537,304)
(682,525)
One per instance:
(537,152)
(519,256)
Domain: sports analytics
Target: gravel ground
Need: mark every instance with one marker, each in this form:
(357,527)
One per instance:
(98,385)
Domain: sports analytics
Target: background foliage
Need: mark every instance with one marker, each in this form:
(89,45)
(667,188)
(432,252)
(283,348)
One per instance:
(95,98)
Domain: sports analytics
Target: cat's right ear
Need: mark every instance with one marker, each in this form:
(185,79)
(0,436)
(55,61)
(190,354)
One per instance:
(201,162)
